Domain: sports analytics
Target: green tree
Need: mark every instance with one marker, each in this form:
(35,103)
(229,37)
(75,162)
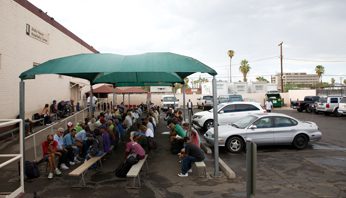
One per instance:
(244,69)
(345,81)
(319,71)
(332,80)
(261,79)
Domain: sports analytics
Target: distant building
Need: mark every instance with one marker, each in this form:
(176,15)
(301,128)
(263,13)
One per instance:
(295,78)
(29,37)
(224,88)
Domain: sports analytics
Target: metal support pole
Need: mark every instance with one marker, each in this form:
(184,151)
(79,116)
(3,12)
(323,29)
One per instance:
(174,101)
(22,112)
(114,104)
(216,129)
(251,158)
(184,104)
(91,109)
(129,100)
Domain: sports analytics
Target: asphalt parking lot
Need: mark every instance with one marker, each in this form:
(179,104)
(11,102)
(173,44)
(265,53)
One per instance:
(283,171)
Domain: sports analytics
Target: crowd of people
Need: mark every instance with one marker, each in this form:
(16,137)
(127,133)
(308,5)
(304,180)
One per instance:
(96,136)
(185,141)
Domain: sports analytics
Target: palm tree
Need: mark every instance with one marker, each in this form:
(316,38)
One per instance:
(332,81)
(244,68)
(261,79)
(319,71)
(230,54)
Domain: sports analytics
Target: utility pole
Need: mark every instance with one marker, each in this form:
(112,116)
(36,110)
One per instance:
(282,79)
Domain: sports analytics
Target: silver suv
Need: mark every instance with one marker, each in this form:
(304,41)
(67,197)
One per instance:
(328,105)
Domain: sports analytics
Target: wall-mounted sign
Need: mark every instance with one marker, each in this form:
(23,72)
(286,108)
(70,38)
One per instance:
(37,34)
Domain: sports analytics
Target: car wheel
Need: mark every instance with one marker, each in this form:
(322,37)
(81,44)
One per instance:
(208,124)
(300,141)
(308,109)
(235,144)
(336,113)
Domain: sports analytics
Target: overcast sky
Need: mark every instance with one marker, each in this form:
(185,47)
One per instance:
(313,31)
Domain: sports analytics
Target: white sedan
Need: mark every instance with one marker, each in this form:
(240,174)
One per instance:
(266,129)
(227,114)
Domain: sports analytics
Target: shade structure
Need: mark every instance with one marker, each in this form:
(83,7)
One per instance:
(96,67)
(138,77)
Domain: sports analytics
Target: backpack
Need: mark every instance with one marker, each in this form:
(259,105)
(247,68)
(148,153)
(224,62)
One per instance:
(123,169)
(36,116)
(31,170)
(152,143)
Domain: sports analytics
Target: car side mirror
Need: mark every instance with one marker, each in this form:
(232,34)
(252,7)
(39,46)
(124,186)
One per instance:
(253,127)
(221,112)
(177,100)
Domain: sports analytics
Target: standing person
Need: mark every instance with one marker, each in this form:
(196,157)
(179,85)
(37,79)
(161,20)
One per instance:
(190,154)
(189,107)
(94,102)
(269,106)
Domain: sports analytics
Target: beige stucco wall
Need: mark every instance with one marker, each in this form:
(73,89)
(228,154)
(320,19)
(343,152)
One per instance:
(19,52)
(136,99)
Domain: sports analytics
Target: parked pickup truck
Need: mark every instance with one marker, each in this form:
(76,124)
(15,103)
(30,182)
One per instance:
(308,104)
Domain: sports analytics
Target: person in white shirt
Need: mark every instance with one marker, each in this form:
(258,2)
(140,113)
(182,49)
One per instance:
(269,106)
(94,102)
(128,120)
(147,131)
(189,107)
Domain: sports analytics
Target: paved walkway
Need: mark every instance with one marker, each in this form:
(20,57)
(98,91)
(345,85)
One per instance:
(160,181)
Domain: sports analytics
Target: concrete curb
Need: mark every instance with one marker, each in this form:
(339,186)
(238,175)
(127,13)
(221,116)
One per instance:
(206,149)
(226,169)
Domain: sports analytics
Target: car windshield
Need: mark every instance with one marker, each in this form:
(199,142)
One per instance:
(343,100)
(207,97)
(245,121)
(235,98)
(321,100)
(219,106)
(168,99)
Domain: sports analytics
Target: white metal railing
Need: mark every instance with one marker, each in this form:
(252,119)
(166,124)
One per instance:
(33,150)
(14,157)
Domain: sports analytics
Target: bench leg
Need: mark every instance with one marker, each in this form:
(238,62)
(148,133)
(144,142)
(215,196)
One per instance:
(81,182)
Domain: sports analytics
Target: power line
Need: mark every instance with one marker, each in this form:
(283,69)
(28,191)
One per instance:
(311,60)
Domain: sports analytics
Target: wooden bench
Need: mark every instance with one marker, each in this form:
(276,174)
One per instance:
(135,170)
(35,121)
(201,168)
(82,169)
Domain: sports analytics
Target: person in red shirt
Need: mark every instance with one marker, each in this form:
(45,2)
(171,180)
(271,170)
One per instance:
(49,148)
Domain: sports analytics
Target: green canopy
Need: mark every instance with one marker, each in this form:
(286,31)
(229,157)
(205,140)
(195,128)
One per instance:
(98,68)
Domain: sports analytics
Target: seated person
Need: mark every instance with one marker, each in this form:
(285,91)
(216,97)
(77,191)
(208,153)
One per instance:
(194,136)
(45,114)
(81,141)
(132,147)
(71,145)
(67,157)
(190,154)
(49,149)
